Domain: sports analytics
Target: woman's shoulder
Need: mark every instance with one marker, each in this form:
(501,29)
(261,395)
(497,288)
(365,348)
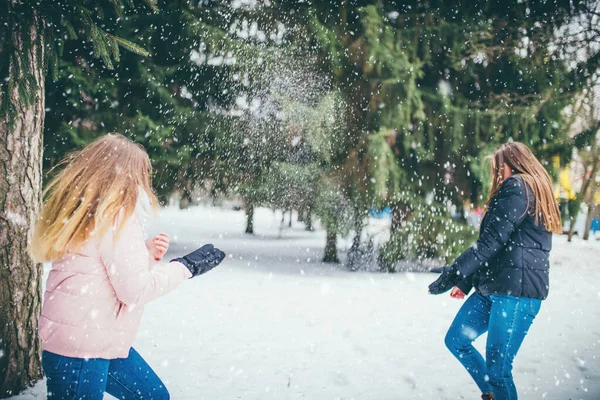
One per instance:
(123,227)
(514,180)
(515,184)
(516,190)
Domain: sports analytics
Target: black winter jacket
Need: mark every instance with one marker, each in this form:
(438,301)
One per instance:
(511,254)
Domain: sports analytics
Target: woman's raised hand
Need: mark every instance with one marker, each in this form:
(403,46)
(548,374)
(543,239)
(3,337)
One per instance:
(158,246)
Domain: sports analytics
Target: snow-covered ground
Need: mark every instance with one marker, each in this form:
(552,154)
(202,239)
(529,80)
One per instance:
(272,322)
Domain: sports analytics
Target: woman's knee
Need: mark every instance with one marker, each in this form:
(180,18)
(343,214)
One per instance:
(450,341)
(458,340)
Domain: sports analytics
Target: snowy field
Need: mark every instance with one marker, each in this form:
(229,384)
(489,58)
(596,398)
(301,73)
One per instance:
(272,322)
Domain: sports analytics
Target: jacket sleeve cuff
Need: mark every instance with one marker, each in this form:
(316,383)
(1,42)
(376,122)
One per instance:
(466,285)
(185,269)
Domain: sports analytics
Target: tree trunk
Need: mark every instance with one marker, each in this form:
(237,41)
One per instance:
(20,187)
(572,225)
(331,247)
(584,187)
(358,228)
(301,211)
(249,218)
(184,201)
(290,221)
(399,211)
(590,213)
(308,220)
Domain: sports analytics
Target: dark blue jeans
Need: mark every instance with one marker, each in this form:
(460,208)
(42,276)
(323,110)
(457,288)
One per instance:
(124,378)
(507,320)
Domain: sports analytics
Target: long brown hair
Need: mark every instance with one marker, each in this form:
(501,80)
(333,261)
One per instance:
(97,188)
(521,161)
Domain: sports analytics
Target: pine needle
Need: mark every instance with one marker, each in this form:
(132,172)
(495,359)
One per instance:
(126,44)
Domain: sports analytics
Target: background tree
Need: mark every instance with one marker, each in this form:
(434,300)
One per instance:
(319,135)
(441,85)
(585,120)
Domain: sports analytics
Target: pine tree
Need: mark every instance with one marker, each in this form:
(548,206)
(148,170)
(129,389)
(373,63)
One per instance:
(319,131)
(161,101)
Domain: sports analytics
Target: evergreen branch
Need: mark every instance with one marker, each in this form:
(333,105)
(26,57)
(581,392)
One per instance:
(99,41)
(72,34)
(114,48)
(117,6)
(134,48)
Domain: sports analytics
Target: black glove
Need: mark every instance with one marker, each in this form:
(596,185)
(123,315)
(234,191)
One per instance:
(449,278)
(202,260)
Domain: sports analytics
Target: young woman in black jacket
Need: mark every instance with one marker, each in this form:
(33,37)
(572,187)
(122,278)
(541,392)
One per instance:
(508,267)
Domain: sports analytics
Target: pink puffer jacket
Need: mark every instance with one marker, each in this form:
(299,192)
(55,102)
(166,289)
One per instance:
(95,298)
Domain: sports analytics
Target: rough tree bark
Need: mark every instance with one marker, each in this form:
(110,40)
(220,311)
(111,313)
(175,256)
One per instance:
(20,187)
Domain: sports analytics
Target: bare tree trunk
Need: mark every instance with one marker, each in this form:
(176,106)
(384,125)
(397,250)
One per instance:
(572,225)
(590,213)
(20,187)
(249,218)
(584,188)
(358,228)
(595,162)
(331,247)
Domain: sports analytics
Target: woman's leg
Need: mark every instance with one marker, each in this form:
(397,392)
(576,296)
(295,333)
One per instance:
(470,323)
(132,378)
(510,320)
(74,378)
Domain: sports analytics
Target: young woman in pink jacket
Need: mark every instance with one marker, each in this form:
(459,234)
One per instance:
(103,273)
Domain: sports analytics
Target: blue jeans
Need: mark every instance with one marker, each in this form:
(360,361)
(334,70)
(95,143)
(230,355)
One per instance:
(124,378)
(507,320)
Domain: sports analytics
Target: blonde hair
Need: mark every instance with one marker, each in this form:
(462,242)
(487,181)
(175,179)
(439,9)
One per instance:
(97,189)
(521,161)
